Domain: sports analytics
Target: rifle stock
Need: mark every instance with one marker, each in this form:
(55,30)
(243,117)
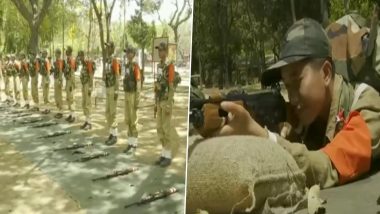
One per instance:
(267,107)
(116,174)
(153,197)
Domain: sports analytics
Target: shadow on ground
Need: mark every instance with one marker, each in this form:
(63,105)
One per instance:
(74,179)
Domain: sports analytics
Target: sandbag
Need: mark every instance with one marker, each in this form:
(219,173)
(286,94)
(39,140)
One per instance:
(243,174)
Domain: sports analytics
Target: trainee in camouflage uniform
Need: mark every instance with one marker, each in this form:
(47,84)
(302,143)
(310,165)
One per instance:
(111,76)
(34,69)
(15,70)
(70,83)
(337,123)
(24,77)
(7,73)
(45,75)
(132,88)
(87,80)
(164,89)
(57,70)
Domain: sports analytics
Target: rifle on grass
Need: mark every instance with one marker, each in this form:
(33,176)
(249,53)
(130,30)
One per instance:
(92,156)
(20,115)
(16,112)
(31,121)
(116,173)
(73,147)
(153,197)
(47,124)
(56,134)
(267,107)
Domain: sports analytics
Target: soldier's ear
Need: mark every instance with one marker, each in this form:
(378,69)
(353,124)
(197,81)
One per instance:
(327,72)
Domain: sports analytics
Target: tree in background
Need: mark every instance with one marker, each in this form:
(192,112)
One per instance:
(34,15)
(235,41)
(181,14)
(142,33)
(103,15)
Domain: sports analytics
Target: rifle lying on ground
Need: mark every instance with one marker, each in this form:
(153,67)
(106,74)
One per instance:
(56,134)
(73,147)
(50,123)
(92,156)
(154,196)
(31,121)
(3,108)
(116,174)
(16,112)
(20,115)
(267,107)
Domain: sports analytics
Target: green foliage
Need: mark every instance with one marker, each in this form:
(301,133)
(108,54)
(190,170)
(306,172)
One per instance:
(141,33)
(237,39)
(15,39)
(16,31)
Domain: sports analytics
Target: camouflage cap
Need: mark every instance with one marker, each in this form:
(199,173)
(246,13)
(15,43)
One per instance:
(81,53)
(69,49)
(130,49)
(162,46)
(306,38)
(57,51)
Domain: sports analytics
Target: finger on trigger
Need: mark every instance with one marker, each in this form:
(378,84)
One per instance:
(229,106)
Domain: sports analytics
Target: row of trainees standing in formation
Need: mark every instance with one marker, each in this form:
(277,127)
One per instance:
(25,70)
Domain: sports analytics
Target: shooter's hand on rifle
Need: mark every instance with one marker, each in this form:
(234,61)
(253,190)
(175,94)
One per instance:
(239,122)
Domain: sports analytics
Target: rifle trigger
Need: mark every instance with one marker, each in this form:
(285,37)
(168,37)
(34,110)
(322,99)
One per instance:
(222,113)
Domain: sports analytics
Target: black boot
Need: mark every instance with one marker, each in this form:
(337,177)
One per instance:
(68,118)
(46,111)
(158,162)
(58,115)
(71,120)
(130,147)
(111,140)
(86,126)
(166,162)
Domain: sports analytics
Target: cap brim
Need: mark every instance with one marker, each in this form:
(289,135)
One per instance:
(273,73)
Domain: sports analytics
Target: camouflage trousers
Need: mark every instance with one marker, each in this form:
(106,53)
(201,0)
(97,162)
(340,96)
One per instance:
(70,91)
(25,94)
(164,127)
(130,113)
(34,89)
(7,85)
(111,104)
(86,100)
(58,94)
(45,88)
(16,88)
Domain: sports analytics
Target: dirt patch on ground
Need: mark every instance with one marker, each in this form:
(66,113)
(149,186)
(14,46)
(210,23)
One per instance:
(25,189)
